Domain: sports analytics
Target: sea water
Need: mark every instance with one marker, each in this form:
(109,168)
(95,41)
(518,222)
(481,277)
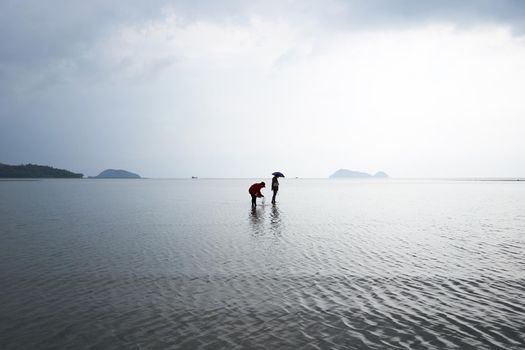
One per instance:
(335,264)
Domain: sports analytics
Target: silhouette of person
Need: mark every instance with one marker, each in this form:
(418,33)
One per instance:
(255,191)
(275,188)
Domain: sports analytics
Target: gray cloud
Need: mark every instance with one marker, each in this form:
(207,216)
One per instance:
(35,30)
(462,13)
(31,30)
(51,109)
(34,33)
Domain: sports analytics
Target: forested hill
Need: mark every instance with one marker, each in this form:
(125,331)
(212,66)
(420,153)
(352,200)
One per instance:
(35,171)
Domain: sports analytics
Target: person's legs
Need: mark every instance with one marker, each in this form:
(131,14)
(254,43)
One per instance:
(274,194)
(253,201)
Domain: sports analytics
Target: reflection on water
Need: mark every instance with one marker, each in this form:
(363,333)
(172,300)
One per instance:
(263,223)
(275,221)
(187,264)
(257,220)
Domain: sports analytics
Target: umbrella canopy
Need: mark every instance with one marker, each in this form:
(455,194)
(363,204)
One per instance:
(278,174)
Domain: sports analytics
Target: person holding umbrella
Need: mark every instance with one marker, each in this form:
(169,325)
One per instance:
(275,184)
(255,191)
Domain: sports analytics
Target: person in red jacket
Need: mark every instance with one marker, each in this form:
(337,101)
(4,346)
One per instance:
(255,191)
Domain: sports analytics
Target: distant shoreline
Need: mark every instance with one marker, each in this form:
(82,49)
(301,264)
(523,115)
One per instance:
(22,179)
(35,171)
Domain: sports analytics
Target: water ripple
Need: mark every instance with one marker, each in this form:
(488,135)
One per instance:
(160,264)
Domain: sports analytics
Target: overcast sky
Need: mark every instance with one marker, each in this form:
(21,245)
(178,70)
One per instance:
(244,88)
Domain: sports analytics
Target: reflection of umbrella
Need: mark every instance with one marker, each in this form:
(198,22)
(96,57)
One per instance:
(278,174)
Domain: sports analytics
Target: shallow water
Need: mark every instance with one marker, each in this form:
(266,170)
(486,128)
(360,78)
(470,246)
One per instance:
(159,264)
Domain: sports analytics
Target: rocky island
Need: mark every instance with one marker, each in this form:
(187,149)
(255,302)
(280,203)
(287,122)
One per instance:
(33,171)
(116,174)
(345,173)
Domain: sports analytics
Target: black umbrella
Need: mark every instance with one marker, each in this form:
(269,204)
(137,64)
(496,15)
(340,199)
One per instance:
(278,174)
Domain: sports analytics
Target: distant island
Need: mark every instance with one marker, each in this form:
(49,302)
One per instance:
(32,171)
(345,173)
(116,174)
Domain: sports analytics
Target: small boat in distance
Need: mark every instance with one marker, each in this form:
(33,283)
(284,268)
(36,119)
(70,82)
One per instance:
(194,177)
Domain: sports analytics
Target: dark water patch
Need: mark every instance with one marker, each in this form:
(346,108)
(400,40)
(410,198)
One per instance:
(259,311)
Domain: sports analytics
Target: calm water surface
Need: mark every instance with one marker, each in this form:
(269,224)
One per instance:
(159,264)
